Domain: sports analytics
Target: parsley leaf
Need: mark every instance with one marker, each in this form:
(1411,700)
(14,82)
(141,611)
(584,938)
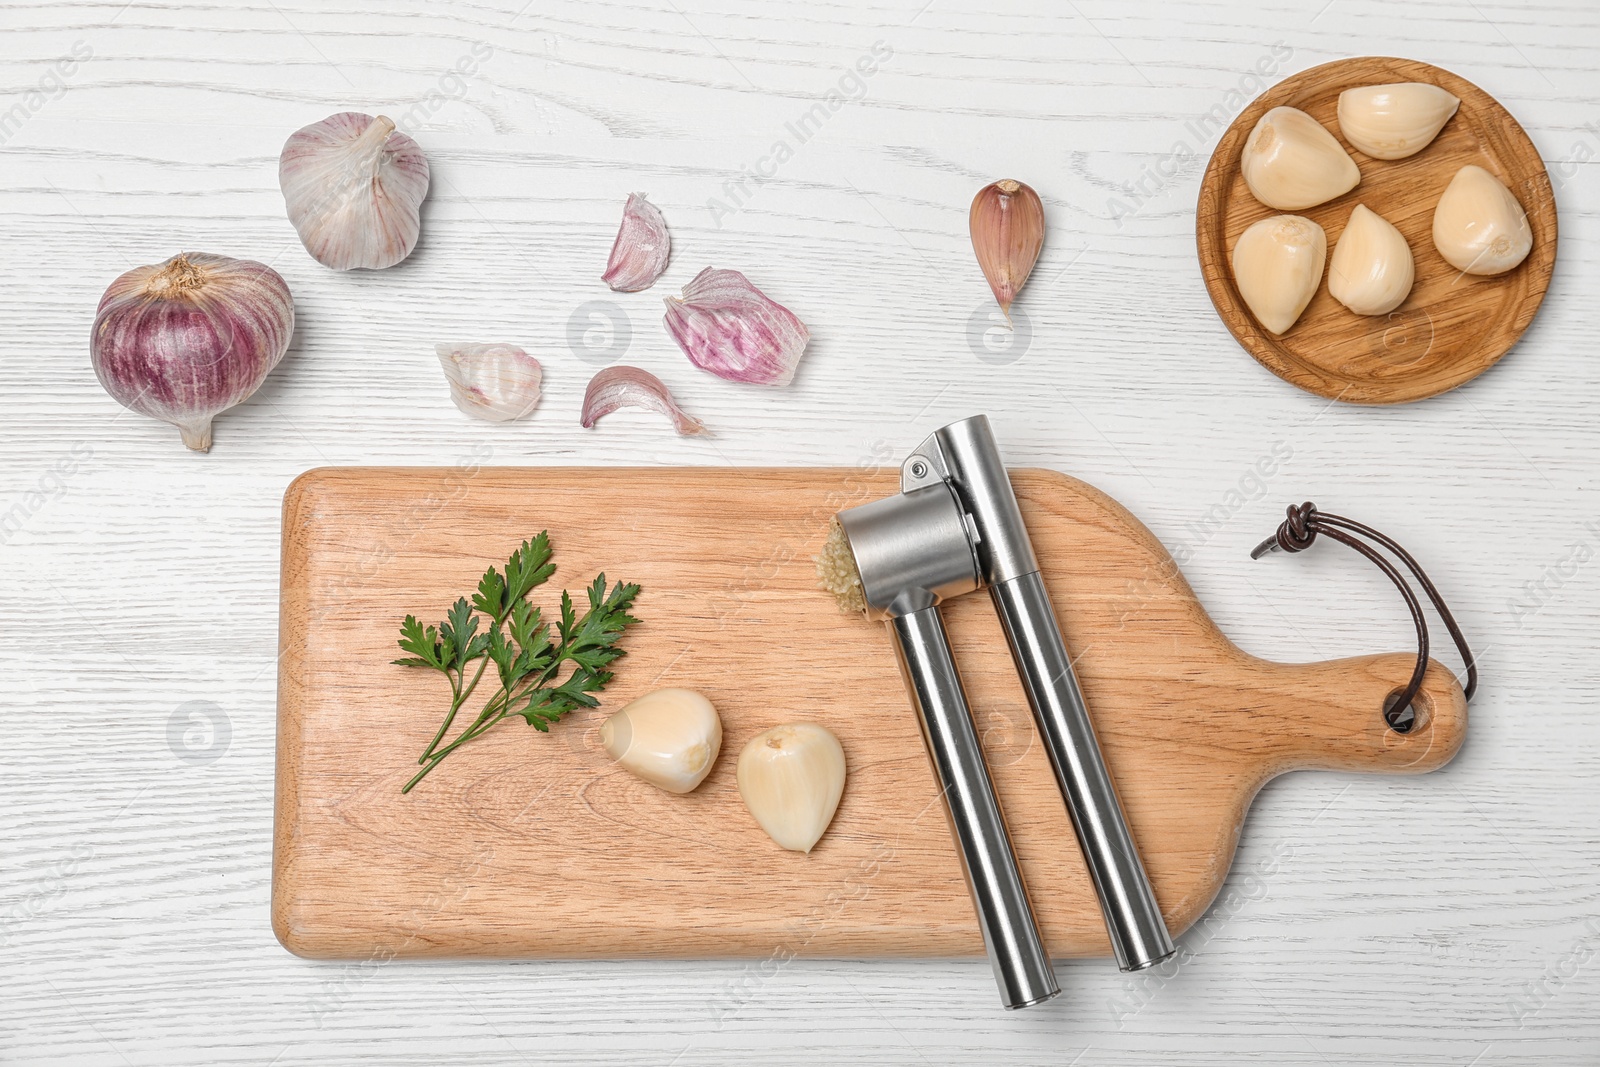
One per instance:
(589,644)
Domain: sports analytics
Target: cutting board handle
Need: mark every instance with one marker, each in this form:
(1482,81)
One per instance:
(1338,724)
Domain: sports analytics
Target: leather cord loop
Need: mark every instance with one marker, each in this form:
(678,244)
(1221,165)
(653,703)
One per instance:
(1299,531)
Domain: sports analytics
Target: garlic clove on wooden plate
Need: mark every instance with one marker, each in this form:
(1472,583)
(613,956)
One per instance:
(791,778)
(670,738)
(1291,162)
(1277,264)
(353,186)
(1394,121)
(1479,227)
(1372,270)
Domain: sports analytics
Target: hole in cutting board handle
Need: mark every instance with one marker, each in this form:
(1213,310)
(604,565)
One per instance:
(1403,720)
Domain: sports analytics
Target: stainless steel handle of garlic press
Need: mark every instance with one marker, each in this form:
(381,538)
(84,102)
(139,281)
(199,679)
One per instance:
(965,455)
(1010,932)
(1139,935)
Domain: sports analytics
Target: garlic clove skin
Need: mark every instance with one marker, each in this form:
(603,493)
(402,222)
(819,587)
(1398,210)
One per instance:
(620,386)
(1291,162)
(1479,227)
(727,326)
(184,340)
(1372,269)
(496,382)
(1277,264)
(669,738)
(640,253)
(353,187)
(1007,226)
(791,778)
(1394,121)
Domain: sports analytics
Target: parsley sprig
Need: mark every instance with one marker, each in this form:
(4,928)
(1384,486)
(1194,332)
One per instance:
(518,642)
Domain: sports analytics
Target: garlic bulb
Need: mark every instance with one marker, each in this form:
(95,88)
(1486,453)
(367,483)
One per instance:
(191,337)
(1394,121)
(670,738)
(496,383)
(617,387)
(791,778)
(1007,226)
(353,187)
(729,327)
(1291,162)
(642,247)
(1277,265)
(1371,270)
(1479,227)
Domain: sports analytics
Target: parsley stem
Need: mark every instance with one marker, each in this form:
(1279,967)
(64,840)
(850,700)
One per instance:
(461,696)
(476,729)
(496,709)
(455,706)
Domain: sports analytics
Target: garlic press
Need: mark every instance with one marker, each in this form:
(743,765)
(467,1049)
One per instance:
(953,528)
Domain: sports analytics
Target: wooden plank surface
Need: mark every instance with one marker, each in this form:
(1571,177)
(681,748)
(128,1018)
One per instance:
(1418,921)
(558,853)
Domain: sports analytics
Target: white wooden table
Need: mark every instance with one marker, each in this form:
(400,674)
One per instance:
(1452,918)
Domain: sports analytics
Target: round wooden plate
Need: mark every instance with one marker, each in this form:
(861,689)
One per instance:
(1453,326)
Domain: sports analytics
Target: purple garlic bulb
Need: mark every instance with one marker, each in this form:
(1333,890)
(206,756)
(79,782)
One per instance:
(190,338)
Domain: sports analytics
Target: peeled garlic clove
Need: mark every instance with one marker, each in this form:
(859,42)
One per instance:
(729,327)
(1277,265)
(353,187)
(1007,225)
(1291,162)
(617,387)
(642,247)
(191,337)
(670,738)
(791,778)
(1394,121)
(496,383)
(1479,227)
(1372,270)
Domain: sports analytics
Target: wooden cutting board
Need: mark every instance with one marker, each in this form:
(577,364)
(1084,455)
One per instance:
(524,844)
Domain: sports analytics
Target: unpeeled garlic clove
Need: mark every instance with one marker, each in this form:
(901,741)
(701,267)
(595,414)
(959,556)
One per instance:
(1007,225)
(353,187)
(616,387)
(1291,161)
(642,247)
(669,738)
(1479,227)
(1277,265)
(496,383)
(1371,270)
(791,778)
(727,326)
(1394,121)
